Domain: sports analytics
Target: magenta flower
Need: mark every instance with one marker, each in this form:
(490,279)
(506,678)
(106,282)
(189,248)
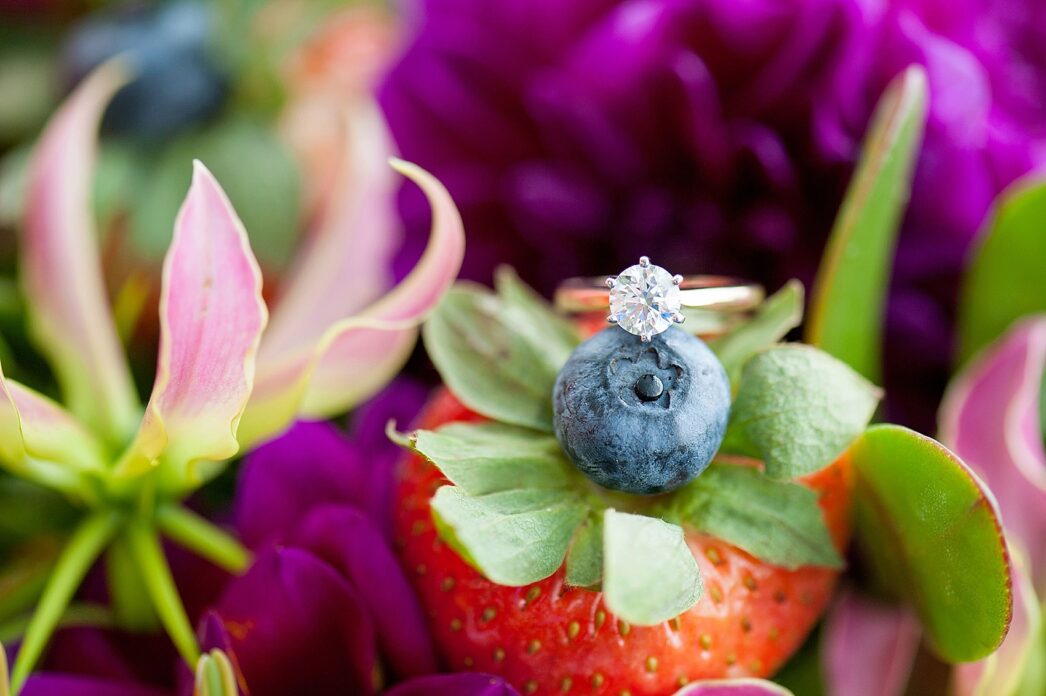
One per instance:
(718,135)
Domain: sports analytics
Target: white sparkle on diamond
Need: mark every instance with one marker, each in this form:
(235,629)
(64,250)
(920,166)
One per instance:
(644,300)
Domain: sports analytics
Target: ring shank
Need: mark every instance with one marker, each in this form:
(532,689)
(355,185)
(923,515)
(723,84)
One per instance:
(707,292)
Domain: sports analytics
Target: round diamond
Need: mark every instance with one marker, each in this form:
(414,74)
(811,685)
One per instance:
(644,300)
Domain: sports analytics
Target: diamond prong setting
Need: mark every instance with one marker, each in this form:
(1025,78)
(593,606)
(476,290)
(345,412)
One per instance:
(645,299)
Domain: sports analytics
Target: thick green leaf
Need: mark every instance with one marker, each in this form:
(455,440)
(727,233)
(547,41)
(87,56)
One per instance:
(485,458)
(798,409)
(929,532)
(512,537)
(649,572)
(585,560)
(775,521)
(493,366)
(847,307)
(1005,278)
(781,313)
(530,313)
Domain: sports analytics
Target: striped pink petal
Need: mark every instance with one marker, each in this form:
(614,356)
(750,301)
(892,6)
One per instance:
(990,418)
(356,356)
(69,309)
(211,319)
(41,441)
(869,647)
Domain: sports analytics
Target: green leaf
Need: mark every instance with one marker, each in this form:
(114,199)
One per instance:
(145,546)
(491,364)
(649,573)
(512,537)
(781,313)
(1004,281)
(531,314)
(929,532)
(256,170)
(585,560)
(778,522)
(485,458)
(846,311)
(72,565)
(798,409)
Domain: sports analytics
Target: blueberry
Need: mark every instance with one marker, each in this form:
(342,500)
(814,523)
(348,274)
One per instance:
(641,417)
(178,82)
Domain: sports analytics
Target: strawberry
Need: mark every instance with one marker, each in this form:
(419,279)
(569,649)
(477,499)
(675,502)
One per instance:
(548,637)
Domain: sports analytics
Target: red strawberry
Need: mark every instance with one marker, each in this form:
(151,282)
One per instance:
(550,638)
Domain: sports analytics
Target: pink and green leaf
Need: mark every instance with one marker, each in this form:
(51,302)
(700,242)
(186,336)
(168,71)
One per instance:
(930,534)
(990,417)
(357,355)
(211,318)
(61,270)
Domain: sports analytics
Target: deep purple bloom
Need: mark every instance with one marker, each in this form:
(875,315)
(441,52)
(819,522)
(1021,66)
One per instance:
(717,136)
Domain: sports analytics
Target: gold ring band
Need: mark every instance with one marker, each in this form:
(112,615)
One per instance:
(706,292)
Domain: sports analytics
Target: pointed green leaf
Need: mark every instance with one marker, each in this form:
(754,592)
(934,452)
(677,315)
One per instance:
(491,457)
(778,315)
(929,532)
(530,313)
(512,537)
(798,409)
(778,522)
(484,356)
(585,560)
(649,573)
(846,311)
(72,565)
(1004,281)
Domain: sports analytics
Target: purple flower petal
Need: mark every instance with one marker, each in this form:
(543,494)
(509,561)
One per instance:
(352,544)
(464,684)
(869,648)
(70,685)
(297,627)
(283,480)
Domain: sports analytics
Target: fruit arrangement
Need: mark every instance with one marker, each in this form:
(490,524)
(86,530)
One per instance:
(614,524)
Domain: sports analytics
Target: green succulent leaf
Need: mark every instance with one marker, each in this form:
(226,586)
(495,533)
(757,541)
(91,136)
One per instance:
(846,310)
(530,313)
(649,573)
(929,532)
(798,409)
(585,560)
(778,522)
(779,314)
(1004,281)
(496,364)
(491,457)
(513,537)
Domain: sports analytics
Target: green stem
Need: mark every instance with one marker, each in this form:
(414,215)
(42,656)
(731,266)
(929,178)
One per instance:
(130,601)
(188,529)
(145,546)
(75,560)
(75,615)
(4,681)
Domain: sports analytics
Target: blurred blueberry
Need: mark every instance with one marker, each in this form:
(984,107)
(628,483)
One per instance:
(641,417)
(178,82)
